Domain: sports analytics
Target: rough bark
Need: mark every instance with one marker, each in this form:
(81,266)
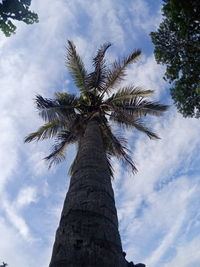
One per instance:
(88,233)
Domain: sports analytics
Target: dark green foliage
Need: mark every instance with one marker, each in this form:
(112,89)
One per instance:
(67,116)
(177,44)
(15,10)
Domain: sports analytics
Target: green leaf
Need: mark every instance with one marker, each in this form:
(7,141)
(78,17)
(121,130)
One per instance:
(96,79)
(116,146)
(64,139)
(117,73)
(76,66)
(56,109)
(128,121)
(48,130)
(176,43)
(127,94)
(141,107)
(15,10)
(67,116)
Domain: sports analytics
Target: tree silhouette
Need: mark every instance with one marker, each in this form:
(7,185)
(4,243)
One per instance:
(88,232)
(15,10)
(177,45)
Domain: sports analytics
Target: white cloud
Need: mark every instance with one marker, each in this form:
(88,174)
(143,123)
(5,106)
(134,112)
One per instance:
(153,205)
(16,220)
(142,16)
(11,242)
(32,61)
(187,255)
(148,74)
(8,144)
(160,165)
(26,196)
(174,152)
(16,252)
(106,24)
(36,160)
(150,225)
(173,212)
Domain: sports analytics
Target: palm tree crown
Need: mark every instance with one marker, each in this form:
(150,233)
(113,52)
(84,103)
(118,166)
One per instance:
(66,116)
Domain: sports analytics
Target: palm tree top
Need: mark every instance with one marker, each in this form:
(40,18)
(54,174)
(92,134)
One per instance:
(66,115)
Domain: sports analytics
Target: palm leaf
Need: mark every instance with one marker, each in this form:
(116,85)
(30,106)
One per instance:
(48,130)
(96,79)
(141,107)
(127,94)
(72,168)
(66,116)
(58,154)
(66,100)
(116,147)
(117,72)
(140,126)
(76,66)
(129,121)
(53,109)
(99,61)
(64,97)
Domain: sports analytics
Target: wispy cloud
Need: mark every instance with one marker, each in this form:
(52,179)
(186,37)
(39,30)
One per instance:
(26,196)
(187,255)
(142,15)
(157,206)
(153,205)
(16,220)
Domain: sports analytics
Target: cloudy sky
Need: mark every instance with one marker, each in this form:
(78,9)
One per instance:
(158,208)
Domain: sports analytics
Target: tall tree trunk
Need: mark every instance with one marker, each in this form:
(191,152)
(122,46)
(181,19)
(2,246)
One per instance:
(88,233)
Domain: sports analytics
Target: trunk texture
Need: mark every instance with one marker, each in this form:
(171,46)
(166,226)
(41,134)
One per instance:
(88,233)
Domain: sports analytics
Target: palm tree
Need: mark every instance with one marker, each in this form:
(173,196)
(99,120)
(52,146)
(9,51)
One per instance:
(88,234)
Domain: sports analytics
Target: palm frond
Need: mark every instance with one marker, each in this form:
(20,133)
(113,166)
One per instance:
(48,130)
(76,66)
(65,99)
(72,168)
(67,117)
(98,61)
(116,147)
(117,72)
(129,121)
(59,108)
(140,126)
(58,154)
(62,96)
(127,94)
(141,107)
(96,79)
(115,75)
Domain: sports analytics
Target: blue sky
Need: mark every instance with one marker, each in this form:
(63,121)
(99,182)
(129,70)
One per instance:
(158,208)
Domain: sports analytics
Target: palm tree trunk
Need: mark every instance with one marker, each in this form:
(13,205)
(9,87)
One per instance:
(88,233)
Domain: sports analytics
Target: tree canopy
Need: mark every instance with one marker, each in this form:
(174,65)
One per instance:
(85,119)
(15,10)
(177,44)
(67,115)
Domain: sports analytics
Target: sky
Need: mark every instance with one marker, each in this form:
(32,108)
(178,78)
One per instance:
(158,208)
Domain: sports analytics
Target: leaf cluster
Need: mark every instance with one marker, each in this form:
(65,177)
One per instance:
(66,116)
(177,46)
(15,10)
